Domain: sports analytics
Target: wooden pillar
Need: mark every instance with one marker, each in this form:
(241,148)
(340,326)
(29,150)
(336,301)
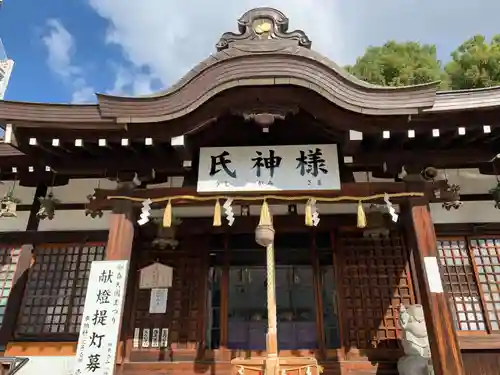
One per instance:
(119,247)
(445,350)
(121,232)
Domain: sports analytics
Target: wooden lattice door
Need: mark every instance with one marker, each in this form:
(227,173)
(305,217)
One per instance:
(183,323)
(375,281)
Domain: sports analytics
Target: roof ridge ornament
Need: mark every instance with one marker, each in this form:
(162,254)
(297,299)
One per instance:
(263,24)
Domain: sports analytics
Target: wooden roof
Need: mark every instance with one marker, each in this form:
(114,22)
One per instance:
(255,58)
(264,68)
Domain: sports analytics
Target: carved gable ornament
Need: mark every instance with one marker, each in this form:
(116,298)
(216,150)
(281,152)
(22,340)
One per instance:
(263,23)
(156,275)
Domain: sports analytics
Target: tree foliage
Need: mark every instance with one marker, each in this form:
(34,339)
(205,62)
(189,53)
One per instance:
(475,64)
(398,64)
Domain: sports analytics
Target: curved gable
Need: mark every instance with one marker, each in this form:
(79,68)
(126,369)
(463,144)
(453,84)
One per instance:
(264,53)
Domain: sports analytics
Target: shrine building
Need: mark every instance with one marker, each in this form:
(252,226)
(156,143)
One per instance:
(268,213)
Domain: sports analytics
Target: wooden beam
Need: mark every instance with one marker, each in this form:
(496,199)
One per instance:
(183,149)
(445,350)
(352,142)
(111,164)
(348,189)
(438,158)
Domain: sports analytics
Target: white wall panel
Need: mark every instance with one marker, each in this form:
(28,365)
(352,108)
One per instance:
(74,220)
(25,194)
(76,190)
(15,224)
(470,180)
(470,212)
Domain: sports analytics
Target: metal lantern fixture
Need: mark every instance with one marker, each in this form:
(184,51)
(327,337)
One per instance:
(377,223)
(165,236)
(47,207)
(495,192)
(8,205)
(452,196)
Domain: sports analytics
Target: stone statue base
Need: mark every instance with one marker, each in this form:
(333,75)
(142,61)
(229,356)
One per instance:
(415,365)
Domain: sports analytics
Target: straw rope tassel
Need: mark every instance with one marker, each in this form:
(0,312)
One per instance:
(167,215)
(361,216)
(217,215)
(265,215)
(308,215)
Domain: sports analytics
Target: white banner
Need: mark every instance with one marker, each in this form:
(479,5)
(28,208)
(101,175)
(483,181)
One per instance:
(268,168)
(97,343)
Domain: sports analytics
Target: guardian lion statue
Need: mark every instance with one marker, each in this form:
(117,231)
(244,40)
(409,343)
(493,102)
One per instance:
(417,359)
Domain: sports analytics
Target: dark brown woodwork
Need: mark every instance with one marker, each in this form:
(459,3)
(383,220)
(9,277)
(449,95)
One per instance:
(34,221)
(185,317)
(224,306)
(375,281)
(444,158)
(481,362)
(56,269)
(20,258)
(231,130)
(35,238)
(445,349)
(320,330)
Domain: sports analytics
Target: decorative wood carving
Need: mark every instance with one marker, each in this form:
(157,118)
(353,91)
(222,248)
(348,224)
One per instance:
(263,23)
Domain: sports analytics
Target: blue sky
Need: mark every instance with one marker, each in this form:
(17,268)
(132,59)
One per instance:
(65,50)
(24,24)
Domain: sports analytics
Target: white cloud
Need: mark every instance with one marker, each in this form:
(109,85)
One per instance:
(170,37)
(60,46)
(130,81)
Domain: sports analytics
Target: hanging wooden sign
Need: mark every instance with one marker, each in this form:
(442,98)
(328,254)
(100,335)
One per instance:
(156,275)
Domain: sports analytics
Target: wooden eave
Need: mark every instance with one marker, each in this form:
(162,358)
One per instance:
(461,100)
(268,63)
(239,67)
(247,69)
(57,115)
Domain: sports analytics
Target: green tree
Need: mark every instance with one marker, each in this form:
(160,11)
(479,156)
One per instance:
(475,64)
(399,64)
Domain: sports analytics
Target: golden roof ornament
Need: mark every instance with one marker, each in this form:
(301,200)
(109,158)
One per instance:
(262,28)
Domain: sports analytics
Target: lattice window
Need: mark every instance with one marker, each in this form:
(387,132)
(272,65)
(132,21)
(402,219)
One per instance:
(375,282)
(486,253)
(8,264)
(55,292)
(471,274)
(458,277)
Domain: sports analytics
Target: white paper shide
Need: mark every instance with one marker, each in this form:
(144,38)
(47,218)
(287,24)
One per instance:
(100,327)
(268,168)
